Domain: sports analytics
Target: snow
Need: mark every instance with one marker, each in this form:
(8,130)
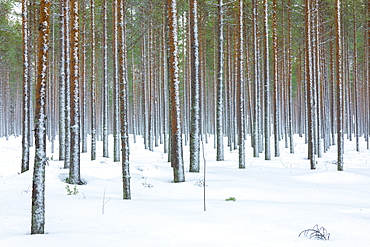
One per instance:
(275,200)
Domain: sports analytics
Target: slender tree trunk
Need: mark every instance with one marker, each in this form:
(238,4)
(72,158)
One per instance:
(93,83)
(240,87)
(338,38)
(309,82)
(26,93)
(67,67)
(62,83)
(276,90)
(220,84)
(317,88)
(176,138)
(151,109)
(290,87)
(116,117)
(257,109)
(105,81)
(165,89)
(356,86)
(74,171)
(38,185)
(267,87)
(195,88)
(83,81)
(123,101)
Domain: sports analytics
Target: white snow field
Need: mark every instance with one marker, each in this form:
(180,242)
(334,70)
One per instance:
(275,200)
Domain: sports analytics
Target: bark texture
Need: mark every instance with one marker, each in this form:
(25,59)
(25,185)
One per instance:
(38,183)
(177,161)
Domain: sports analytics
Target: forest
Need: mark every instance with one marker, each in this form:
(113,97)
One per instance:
(242,74)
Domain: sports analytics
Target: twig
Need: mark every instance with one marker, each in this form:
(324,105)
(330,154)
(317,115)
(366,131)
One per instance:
(204,178)
(104,202)
(316,233)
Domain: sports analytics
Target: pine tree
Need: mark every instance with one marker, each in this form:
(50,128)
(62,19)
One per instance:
(220,83)
(62,83)
(26,91)
(105,81)
(338,37)
(93,82)
(267,85)
(240,87)
(74,171)
(38,183)
(116,126)
(123,101)
(177,161)
(195,84)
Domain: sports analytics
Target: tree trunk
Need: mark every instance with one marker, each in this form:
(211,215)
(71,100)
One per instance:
(105,81)
(257,109)
(93,83)
(220,84)
(338,38)
(74,171)
(176,136)
(290,87)
(38,185)
(83,81)
(240,87)
(67,67)
(26,93)
(276,90)
(267,86)
(116,117)
(123,101)
(195,88)
(62,83)
(309,82)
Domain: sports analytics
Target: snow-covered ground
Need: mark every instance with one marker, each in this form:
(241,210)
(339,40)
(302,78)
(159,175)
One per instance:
(275,201)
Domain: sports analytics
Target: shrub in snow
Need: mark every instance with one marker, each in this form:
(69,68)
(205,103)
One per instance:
(70,191)
(316,233)
(230,199)
(145,184)
(200,183)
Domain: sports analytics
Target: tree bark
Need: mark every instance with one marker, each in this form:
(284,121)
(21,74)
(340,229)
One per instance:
(38,184)
(220,83)
(338,37)
(257,109)
(176,135)
(123,102)
(195,88)
(83,79)
(267,86)
(240,87)
(62,83)
(276,90)
(93,83)
(74,170)
(105,81)
(309,82)
(26,93)
(116,117)
(67,68)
